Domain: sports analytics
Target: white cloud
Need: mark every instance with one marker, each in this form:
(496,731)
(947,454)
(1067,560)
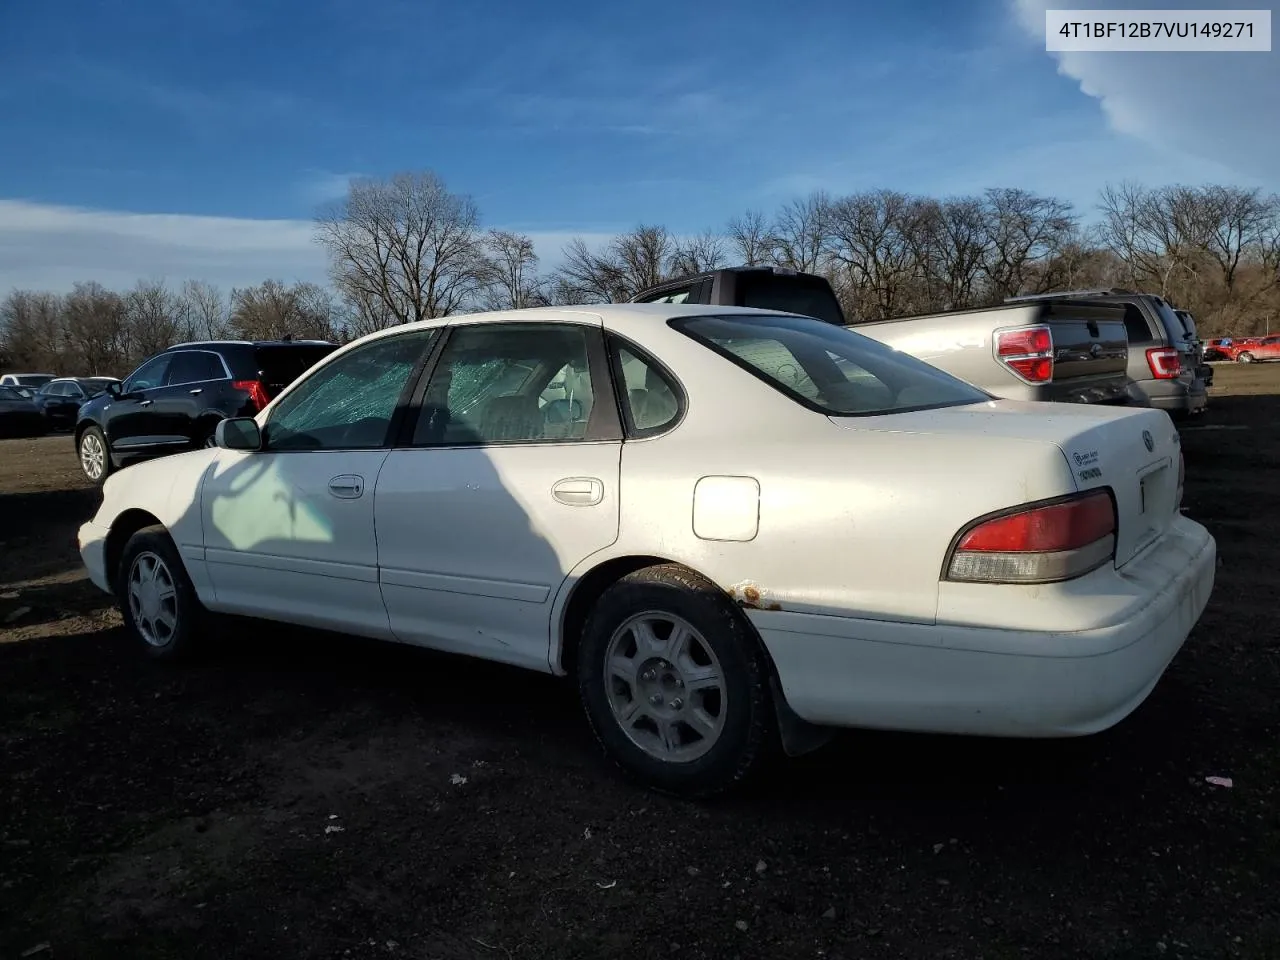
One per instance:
(48,247)
(1221,107)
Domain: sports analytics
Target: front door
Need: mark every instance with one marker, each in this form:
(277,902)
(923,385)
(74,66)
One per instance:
(131,425)
(509,481)
(289,529)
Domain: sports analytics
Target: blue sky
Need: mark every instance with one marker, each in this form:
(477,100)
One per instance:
(146,137)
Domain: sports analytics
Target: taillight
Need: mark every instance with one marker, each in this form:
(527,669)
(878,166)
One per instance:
(1038,544)
(256,390)
(1027,351)
(1164,362)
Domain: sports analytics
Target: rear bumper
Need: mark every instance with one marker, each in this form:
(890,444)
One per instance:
(998,682)
(1174,396)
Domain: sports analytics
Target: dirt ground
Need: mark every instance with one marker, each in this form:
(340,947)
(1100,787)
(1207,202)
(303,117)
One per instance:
(301,795)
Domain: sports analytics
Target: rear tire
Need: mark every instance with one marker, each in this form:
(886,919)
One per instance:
(157,600)
(95,458)
(675,684)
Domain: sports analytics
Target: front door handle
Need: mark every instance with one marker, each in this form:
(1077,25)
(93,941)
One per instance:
(196,390)
(579,491)
(347,487)
(146,403)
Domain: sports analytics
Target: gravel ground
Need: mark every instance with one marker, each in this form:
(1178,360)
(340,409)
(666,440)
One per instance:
(303,795)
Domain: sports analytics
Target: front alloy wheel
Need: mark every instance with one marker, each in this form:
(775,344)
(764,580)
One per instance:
(153,599)
(93,455)
(157,600)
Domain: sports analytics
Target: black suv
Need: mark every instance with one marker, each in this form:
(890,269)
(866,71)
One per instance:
(173,402)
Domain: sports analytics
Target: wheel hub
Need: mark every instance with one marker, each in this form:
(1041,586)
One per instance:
(662,684)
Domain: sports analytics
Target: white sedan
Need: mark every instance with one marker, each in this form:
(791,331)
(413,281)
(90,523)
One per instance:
(734,528)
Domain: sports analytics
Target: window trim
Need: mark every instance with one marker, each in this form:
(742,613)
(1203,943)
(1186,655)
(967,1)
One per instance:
(603,426)
(163,355)
(395,424)
(213,353)
(621,395)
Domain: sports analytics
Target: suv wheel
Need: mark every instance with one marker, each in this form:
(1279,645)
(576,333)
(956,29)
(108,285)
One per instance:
(1245,357)
(95,460)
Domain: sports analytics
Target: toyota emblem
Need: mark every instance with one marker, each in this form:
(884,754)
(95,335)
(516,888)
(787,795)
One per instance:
(1146,439)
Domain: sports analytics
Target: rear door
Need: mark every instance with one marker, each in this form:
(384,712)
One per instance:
(194,381)
(1091,350)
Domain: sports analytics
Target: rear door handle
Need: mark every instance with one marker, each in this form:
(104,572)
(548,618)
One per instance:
(145,403)
(347,487)
(579,491)
(196,390)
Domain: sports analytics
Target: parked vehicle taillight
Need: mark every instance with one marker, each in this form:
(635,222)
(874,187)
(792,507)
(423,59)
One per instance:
(1038,544)
(1028,352)
(256,389)
(1164,362)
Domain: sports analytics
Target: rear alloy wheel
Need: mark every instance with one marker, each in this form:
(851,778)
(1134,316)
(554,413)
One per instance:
(94,459)
(1245,357)
(675,684)
(156,598)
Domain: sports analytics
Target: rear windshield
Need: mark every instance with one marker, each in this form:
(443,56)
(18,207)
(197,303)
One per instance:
(828,368)
(9,393)
(283,363)
(810,296)
(33,379)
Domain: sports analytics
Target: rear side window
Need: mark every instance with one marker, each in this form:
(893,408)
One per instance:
(671,296)
(195,366)
(649,396)
(1135,324)
(826,367)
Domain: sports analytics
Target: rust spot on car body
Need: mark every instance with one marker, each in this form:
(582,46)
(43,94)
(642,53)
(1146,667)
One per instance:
(752,596)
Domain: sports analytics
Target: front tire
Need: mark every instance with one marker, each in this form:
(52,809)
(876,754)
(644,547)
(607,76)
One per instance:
(156,597)
(675,684)
(1245,357)
(95,459)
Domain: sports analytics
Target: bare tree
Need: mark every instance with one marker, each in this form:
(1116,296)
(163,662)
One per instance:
(31,328)
(1023,231)
(628,264)
(800,233)
(874,238)
(698,254)
(1241,222)
(151,310)
(407,242)
(97,329)
(511,280)
(750,239)
(271,311)
(206,308)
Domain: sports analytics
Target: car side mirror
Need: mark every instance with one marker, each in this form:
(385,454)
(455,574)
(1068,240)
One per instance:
(114,390)
(238,433)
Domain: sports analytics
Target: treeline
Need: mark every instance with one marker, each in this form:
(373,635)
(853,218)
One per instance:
(406,248)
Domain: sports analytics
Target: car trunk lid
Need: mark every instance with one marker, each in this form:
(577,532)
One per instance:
(1132,452)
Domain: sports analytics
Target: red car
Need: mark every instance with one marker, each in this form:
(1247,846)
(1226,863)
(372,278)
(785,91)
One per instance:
(1255,349)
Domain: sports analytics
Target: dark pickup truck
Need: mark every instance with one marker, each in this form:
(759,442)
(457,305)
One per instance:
(1053,349)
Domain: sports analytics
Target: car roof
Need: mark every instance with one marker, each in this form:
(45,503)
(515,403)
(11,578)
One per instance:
(204,344)
(614,316)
